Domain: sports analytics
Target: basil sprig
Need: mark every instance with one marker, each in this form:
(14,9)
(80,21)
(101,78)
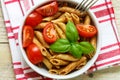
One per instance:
(70,44)
(75,50)
(86,47)
(61,45)
(71,32)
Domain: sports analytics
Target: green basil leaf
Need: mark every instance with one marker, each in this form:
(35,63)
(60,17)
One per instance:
(71,32)
(61,45)
(86,47)
(75,50)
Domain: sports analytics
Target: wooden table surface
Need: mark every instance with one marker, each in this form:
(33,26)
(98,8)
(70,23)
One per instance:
(6,68)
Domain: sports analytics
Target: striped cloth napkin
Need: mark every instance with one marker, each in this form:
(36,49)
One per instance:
(13,12)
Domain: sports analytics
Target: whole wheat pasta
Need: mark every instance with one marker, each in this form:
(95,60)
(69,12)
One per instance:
(42,49)
(81,62)
(47,63)
(52,17)
(51,52)
(41,39)
(41,25)
(61,34)
(62,18)
(93,41)
(54,71)
(75,18)
(62,26)
(70,67)
(69,10)
(68,16)
(58,62)
(87,20)
(66,57)
(89,56)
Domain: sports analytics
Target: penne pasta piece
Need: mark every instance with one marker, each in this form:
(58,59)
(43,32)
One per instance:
(83,14)
(47,63)
(75,18)
(52,17)
(54,71)
(51,52)
(41,39)
(61,34)
(89,56)
(58,62)
(87,20)
(70,10)
(43,49)
(62,18)
(65,57)
(62,26)
(70,67)
(58,37)
(81,62)
(81,65)
(93,41)
(41,25)
(68,16)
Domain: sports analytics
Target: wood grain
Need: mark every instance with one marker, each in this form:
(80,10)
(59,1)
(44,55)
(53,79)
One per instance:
(3,37)
(6,68)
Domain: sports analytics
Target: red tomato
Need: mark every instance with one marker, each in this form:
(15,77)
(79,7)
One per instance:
(86,30)
(34,54)
(33,19)
(49,33)
(48,9)
(27,35)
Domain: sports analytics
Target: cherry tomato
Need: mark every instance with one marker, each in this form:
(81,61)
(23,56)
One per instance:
(86,30)
(49,33)
(34,54)
(48,9)
(33,19)
(27,35)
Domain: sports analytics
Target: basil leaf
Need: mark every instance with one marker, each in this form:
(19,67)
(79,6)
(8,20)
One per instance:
(86,47)
(61,45)
(75,50)
(71,32)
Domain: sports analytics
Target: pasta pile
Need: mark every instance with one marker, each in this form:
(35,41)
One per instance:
(58,63)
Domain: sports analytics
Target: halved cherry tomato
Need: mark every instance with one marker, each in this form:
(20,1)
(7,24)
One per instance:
(86,30)
(34,54)
(48,9)
(27,35)
(49,33)
(33,19)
